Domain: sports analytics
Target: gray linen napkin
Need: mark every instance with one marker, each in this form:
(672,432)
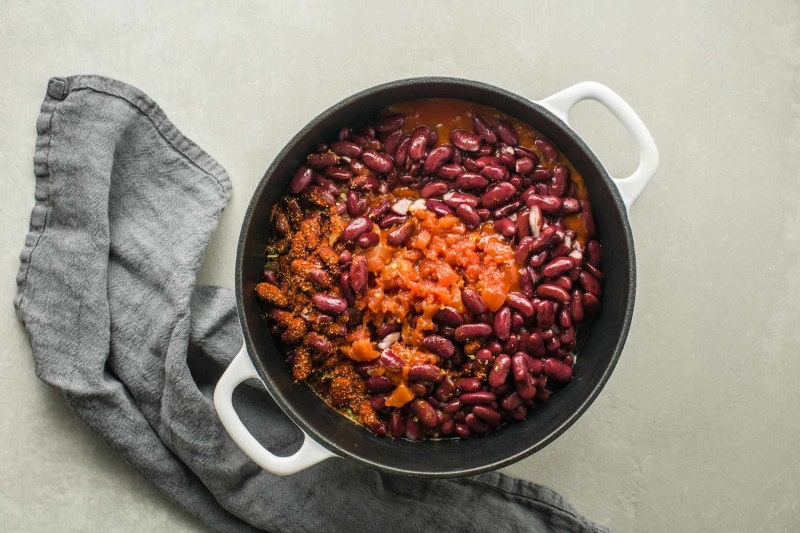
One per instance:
(125,207)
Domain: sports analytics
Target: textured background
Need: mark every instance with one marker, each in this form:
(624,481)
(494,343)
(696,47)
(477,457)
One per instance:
(697,429)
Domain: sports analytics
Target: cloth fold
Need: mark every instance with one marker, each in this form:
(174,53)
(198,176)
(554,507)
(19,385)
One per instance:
(125,208)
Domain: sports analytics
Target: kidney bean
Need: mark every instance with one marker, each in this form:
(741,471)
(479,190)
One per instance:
(477,425)
(471,181)
(521,151)
(561,180)
(320,161)
(437,158)
(553,344)
(510,346)
(559,250)
(449,316)
(378,384)
(465,140)
(359,275)
(270,276)
(541,174)
(377,161)
(500,370)
(321,277)
(419,141)
(525,282)
(345,257)
(346,148)
(487,414)
(401,154)
(366,130)
(497,195)
(508,161)
(505,130)
(362,141)
(440,208)
(545,314)
(524,166)
(548,204)
(368,240)
(557,371)
(502,323)
(484,150)
(364,183)
(591,304)
(484,214)
(339,173)
(521,303)
(439,345)
(483,129)
(380,209)
(471,165)
(561,281)
(356,228)
(469,384)
(378,403)
(505,227)
(488,160)
(390,361)
(434,188)
(467,332)
(507,210)
(329,304)
(418,389)
(413,428)
(570,206)
(446,390)
(463,431)
(565,317)
(424,411)
(526,388)
(468,216)
(593,253)
(359,168)
(399,236)
(392,141)
(553,292)
(594,271)
(390,220)
(523,250)
(519,366)
(576,306)
(301,179)
(447,428)
(519,414)
(346,289)
(511,401)
(557,266)
(540,243)
(425,372)
(472,301)
(457,198)
(590,284)
(450,171)
(517,321)
(549,152)
(389,122)
(536,346)
(588,218)
(567,336)
(452,406)
(495,173)
(397,423)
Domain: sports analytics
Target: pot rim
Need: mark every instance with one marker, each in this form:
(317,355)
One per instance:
(618,347)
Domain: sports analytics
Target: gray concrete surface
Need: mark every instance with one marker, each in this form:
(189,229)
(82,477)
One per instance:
(697,429)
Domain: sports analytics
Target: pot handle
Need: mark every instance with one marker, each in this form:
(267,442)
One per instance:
(562,102)
(309,454)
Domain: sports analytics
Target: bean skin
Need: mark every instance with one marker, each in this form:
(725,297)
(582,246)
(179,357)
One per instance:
(552,292)
(425,372)
(436,158)
(472,301)
(449,316)
(477,398)
(419,141)
(505,130)
(465,140)
(389,122)
(329,304)
(502,323)
(484,129)
(467,332)
(399,236)
(500,370)
(590,284)
(468,216)
(439,345)
(425,412)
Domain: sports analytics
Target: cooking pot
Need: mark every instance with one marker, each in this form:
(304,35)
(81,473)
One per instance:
(326,432)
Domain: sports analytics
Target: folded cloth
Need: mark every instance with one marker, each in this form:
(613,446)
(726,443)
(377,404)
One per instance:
(125,207)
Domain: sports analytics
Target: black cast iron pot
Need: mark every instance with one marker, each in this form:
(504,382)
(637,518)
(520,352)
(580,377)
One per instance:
(327,432)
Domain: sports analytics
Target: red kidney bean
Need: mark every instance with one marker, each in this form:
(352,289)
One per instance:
(519,414)
(270,276)
(345,134)
(546,334)
(463,431)
(390,361)
(500,370)
(366,130)
(397,423)
(439,345)
(359,168)
(418,389)
(346,289)
(458,198)
(548,204)
(436,158)
(553,344)
(526,388)
(321,277)
(497,195)
(419,141)
(549,152)
(524,166)
(561,281)
(389,122)
(339,173)
(523,250)
(440,208)
(362,141)
(476,398)
(484,150)
(378,403)
(520,302)
(541,174)
(390,220)
(508,161)
(401,153)
(319,343)
(594,271)
(519,366)
(494,347)
(588,218)
(465,140)
(502,323)
(523,223)
(302,178)
(434,188)
(468,216)
(483,129)
(484,214)
(505,227)
(446,390)
(447,428)
(557,266)
(469,384)
(471,165)
(356,228)
(507,210)
(413,427)
(449,316)
(543,240)
(525,282)
(511,401)
(576,306)
(591,304)
(424,411)
(565,317)
(322,160)
(521,151)
(590,284)
(536,346)
(593,253)
(328,185)
(517,321)
(399,236)
(560,250)
(568,336)
(450,171)
(553,292)
(368,240)
(392,141)
(535,366)
(458,155)
(510,346)
(380,209)
(347,149)
(473,301)
(377,161)
(505,130)
(425,372)
(471,181)
(329,304)
(364,183)
(487,414)
(561,180)
(545,314)
(557,371)
(359,275)
(452,406)
(536,261)
(570,206)
(378,384)
(488,160)
(495,173)
(467,332)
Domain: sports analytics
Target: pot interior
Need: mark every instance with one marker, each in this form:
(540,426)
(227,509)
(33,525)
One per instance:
(447,457)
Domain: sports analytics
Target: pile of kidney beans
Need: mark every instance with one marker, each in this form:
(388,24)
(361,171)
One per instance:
(492,366)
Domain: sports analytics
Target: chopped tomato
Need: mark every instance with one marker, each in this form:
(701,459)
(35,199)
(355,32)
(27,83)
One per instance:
(399,396)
